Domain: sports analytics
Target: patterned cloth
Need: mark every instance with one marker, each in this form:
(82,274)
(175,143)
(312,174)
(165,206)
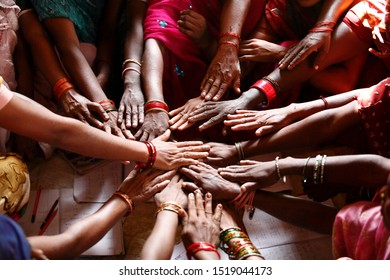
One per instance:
(359,233)
(85,14)
(374,110)
(13,242)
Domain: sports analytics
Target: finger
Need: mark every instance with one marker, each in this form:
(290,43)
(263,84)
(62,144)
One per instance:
(265,130)
(208,205)
(218,215)
(249,186)
(213,89)
(185,126)
(165,136)
(191,205)
(199,204)
(189,186)
(206,85)
(121,111)
(99,110)
(210,123)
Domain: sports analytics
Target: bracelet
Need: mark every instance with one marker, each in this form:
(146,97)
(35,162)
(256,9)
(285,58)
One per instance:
(131,60)
(200,246)
(322,169)
(278,169)
(268,88)
(230,43)
(305,166)
(130,69)
(156,104)
(325,23)
(315,169)
(231,34)
(321,29)
(169,206)
(245,199)
(61,86)
(127,199)
(108,105)
(325,102)
(151,159)
(240,151)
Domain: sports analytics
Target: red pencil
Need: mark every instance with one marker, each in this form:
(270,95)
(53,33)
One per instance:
(53,214)
(36,205)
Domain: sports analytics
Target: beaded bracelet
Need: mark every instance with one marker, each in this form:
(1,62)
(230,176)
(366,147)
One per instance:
(127,199)
(169,206)
(200,246)
(151,159)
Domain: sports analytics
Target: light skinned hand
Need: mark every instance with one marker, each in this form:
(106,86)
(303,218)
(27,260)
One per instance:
(172,193)
(141,186)
(199,223)
(221,154)
(171,155)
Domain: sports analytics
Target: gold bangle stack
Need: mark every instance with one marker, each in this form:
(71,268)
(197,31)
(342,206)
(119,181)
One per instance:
(169,206)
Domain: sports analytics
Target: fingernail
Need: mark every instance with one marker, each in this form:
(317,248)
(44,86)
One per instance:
(208,195)
(191,195)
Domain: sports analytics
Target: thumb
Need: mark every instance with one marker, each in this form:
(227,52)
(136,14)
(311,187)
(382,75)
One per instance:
(237,84)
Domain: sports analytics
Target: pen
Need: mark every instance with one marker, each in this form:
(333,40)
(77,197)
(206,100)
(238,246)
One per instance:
(36,205)
(49,220)
(49,214)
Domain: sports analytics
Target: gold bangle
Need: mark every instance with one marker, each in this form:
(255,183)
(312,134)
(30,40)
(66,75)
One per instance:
(157,109)
(132,61)
(127,199)
(169,206)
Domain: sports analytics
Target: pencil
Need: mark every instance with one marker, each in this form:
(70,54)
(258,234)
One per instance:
(49,214)
(48,222)
(36,205)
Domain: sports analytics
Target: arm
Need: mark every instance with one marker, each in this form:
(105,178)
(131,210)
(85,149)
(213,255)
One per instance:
(160,243)
(72,135)
(88,231)
(131,108)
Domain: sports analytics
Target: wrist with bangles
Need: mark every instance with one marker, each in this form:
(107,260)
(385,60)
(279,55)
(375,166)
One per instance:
(196,247)
(270,88)
(156,105)
(126,199)
(61,86)
(108,105)
(152,156)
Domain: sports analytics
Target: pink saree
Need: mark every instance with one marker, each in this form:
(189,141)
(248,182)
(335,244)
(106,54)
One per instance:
(360,234)
(184,63)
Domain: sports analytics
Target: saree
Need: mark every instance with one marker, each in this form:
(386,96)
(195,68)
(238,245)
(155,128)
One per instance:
(359,233)
(85,14)
(184,63)
(13,242)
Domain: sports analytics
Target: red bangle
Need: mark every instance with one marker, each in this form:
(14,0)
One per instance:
(151,159)
(156,104)
(325,23)
(321,29)
(325,102)
(232,34)
(107,101)
(267,88)
(200,246)
(230,43)
(61,89)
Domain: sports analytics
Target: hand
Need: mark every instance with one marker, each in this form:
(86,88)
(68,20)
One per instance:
(200,225)
(173,193)
(206,179)
(263,173)
(313,42)
(215,112)
(131,108)
(221,154)
(77,106)
(320,192)
(155,124)
(111,126)
(260,51)
(223,71)
(141,186)
(194,25)
(179,116)
(172,155)
(264,122)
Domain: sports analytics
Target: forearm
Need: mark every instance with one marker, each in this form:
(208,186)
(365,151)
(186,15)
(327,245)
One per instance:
(160,243)
(233,15)
(332,10)
(320,127)
(83,234)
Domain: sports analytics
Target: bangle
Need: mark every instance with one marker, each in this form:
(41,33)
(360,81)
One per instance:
(268,88)
(156,109)
(130,69)
(245,199)
(325,102)
(325,23)
(131,60)
(278,169)
(151,159)
(231,34)
(240,151)
(108,105)
(156,105)
(127,199)
(305,166)
(230,43)
(315,169)
(169,206)
(61,86)
(200,246)
(322,169)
